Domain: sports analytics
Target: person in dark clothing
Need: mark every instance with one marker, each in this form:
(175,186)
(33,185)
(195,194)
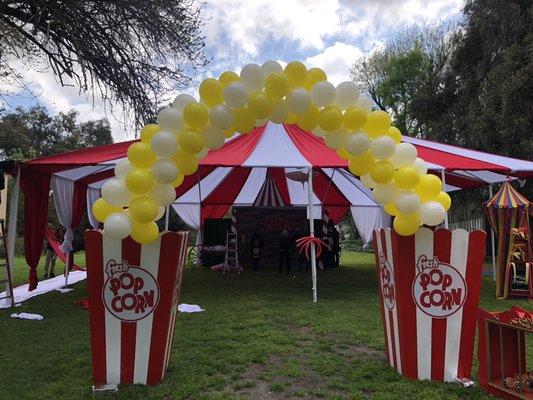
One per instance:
(50,261)
(285,245)
(336,246)
(300,256)
(256,255)
(256,236)
(327,250)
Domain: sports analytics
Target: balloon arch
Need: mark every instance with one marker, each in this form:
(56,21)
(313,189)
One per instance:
(144,183)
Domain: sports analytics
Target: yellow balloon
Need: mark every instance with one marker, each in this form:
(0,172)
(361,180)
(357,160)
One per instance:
(148,132)
(296,74)
(190,141)
(140,155)
(292,118)
(429,187)
(377,123)
(407,178)
(187,163)
(444,199)
(277,85)
(195,115)
(382,172)
(361,164)
(144,233)
(211,92)
(354,118)
(139,181)
(309,119)
(395,134)
(330,118)
(102,209)
(314,75)
(179,180)
(342,153)
(260,105)
(227,77)
(243,120)
(229,132)
(143,209)
(390,208)
(406,225)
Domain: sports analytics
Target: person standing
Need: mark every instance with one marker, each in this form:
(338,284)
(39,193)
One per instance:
(300,256)
(50,261)
(327,252)
(336,246)
(285,245)
(256,255)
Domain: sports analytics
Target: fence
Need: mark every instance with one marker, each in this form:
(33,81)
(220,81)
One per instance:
(468,225)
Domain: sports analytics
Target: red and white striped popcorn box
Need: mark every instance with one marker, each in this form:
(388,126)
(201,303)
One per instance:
(134,292)
(429,291)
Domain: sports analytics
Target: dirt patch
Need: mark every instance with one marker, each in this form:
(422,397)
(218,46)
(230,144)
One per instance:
(299,330)
(360,350)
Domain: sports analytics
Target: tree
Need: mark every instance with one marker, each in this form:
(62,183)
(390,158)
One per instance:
(133,52)
(394,75)
(26,134)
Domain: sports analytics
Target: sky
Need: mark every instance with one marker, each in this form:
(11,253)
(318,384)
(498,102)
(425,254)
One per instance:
(330,34)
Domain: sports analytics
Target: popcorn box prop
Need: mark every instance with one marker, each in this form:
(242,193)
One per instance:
(503,369)
(133,296)
(429,290)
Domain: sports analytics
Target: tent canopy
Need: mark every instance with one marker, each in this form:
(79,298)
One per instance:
(236,174)
(507,197)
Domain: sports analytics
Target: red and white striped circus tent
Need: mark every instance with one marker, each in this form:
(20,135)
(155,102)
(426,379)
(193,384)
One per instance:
(261,168)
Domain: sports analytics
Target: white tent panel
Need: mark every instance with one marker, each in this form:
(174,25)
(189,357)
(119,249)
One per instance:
(251,187)
(207,185)
(367,219)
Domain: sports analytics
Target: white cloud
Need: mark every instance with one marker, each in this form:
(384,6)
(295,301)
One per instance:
(336,60)
(331,34)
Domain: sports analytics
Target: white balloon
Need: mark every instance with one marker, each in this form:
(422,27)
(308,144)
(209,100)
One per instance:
(323,94)
(357,143)
(335,140)
(170,119)
(202,154)
(164,144)
(364,102)
(382,147)
(368,181)
(347,95)
(319,132)
(432,213)
(213,137)
(421,166)
(164,171)
(407,202)
(280,112)
(235,95)
(160,212)
(405,154)
(164,195)
(271,66)
(386,193)
(182,100)
(117,226)
(122,168)
(114,191)
(253,77)
(298,101)
(221,117)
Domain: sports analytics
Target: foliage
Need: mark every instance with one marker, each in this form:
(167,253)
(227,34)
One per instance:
(26,134)
(259,331)
(134,52)
(470,85)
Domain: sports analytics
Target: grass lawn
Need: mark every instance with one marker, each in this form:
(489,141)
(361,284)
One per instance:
(261,337)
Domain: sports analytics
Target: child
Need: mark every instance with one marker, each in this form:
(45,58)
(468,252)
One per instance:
(256,255)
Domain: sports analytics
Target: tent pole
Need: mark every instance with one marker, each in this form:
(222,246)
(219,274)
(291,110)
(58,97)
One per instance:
(443,178)
(312,230)
(167,210)
(199,232)
(492,242)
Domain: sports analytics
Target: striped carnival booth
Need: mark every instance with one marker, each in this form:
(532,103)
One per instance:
(257,168)
(429,288)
